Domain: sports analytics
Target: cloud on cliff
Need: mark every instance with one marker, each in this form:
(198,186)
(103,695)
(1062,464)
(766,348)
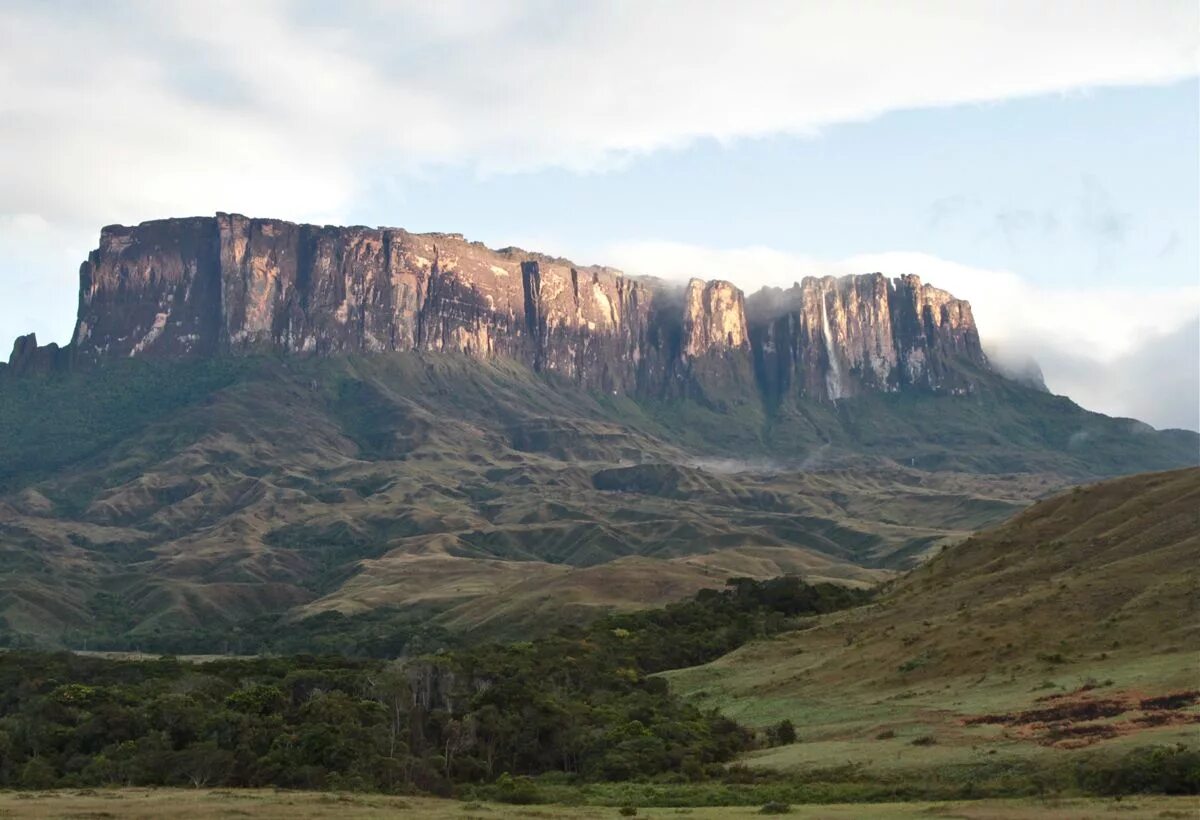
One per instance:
(1130,350)
(122,111)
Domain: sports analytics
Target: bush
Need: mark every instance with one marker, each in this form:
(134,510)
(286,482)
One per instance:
(519,791)
(1150,770)
(782,733)
(628,811)
(38,774)
(775,808)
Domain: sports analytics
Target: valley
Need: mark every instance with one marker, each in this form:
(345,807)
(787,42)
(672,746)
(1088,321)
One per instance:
(628,546)
(188,496)
(495,410)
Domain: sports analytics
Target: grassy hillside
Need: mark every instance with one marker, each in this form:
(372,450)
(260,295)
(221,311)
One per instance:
(145,503)
(1070,630)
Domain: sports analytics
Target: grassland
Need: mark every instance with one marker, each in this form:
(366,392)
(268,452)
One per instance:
(207,804)
(1039,644)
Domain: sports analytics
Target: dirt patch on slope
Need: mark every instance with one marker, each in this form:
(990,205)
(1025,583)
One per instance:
(1076,719)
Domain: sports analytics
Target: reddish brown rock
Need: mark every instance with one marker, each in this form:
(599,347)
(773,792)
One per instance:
(834,338)
(233,285)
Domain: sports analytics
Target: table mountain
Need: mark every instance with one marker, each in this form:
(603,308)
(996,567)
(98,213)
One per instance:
(259,425)
(229,284)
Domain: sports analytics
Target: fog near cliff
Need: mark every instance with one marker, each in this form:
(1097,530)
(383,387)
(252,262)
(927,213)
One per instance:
(1158,381)
(1123,350)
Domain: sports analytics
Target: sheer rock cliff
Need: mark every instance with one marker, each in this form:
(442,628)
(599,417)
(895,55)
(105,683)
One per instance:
(232,285)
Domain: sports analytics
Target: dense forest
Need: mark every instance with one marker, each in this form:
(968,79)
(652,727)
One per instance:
(582,701)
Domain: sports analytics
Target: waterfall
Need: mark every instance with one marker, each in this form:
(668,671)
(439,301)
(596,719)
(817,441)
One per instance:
(833,378)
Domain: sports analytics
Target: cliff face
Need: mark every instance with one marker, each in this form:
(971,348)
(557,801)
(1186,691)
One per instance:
(835,338)
(232,285)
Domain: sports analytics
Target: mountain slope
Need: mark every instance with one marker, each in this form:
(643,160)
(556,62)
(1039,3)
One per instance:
(1072,626)
(189,495)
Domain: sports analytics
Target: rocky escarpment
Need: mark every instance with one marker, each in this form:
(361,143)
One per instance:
(229,284)
(835,338)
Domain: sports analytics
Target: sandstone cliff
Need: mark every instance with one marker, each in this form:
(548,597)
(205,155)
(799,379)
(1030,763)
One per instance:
(229,284)
(834,338)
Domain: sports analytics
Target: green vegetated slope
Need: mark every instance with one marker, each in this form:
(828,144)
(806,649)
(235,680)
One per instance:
(174,505)
(1071,630)
(578,716)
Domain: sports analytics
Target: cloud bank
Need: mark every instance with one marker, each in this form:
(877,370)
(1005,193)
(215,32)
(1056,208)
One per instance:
(124,111)
(1126,351)
(135,109)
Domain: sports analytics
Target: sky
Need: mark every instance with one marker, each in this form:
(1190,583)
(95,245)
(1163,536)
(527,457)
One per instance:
(1039,159)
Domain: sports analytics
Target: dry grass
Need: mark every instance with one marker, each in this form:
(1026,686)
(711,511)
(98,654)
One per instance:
(202,804)
(1095,588)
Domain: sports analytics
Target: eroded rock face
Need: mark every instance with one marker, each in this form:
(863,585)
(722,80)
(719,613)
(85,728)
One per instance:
(153,289)
(233,285)
(834,338)
(714,318)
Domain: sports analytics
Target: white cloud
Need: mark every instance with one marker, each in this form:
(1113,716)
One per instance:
(124,111)
(1127,351)
(137,109)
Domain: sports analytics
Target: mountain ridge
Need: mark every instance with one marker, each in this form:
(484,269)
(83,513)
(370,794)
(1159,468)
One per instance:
(203,286)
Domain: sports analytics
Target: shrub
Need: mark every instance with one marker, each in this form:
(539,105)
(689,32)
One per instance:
(519,791)
(782,733)
(1155,769)
(775,808)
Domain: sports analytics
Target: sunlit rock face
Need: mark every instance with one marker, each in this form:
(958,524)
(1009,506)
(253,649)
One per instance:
(232,285)
(714,318)
(932,331)
(591,325)
(834,338)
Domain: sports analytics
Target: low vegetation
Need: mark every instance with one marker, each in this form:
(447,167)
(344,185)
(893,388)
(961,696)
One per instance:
(577,717)
(582,703)
(1049,655)
(273,804)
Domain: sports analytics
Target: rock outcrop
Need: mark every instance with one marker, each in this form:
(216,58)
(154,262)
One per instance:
(230,285)
(834,338)
(27,357)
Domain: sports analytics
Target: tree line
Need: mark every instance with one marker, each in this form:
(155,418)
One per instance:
(583,701)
